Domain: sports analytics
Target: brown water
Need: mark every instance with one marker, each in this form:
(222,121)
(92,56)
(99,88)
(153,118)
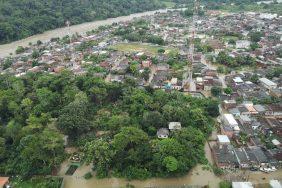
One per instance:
(6,49)
(197,176)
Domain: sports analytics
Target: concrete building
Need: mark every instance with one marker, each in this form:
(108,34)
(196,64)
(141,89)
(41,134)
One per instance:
(163,133)
(268,84)
(174,126)
(242,185)
(243,44)
(275,184)
(223,139)
(228,119)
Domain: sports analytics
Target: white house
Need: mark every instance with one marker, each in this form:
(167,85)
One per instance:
(163,133)
(275,184)
(268,84)
(242,185)
(238,80)
(228,119)
(223,139)
(174,126)
(267,16)
(243,44)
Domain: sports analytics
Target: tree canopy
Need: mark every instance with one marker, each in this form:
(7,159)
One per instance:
(22,18)
(114,125)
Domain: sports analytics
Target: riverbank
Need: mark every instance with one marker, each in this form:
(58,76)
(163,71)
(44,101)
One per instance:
(6,49)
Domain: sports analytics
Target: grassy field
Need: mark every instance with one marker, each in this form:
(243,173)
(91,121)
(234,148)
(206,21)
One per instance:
(277,8)
(37,183)
(169,4)
(227,38)
(138,47)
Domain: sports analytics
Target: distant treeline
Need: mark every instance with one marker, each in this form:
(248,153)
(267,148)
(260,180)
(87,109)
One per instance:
(23,18)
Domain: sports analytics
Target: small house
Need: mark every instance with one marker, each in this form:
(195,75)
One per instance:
(242,185)
(4,181)
(229,119)
(163,133)
(227,104)
(268,84)
(146,64)
(174,126)
(243,44)
(238,80)
(224,157)
(275,184)
(223,139)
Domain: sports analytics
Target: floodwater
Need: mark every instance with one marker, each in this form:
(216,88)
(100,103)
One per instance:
(197,176)
(6,49)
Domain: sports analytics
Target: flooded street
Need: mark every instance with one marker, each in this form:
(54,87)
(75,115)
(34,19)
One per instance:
(6,49)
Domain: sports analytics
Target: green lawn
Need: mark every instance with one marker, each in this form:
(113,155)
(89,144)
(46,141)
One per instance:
(37,183)
(138,47)
(169,4)
(227,38)
(277,8)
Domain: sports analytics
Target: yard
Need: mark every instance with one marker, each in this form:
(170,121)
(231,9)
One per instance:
(253,7)
(169,4)
(37,183)
(227,38)
(138,47)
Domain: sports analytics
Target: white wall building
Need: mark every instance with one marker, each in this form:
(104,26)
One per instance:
(243,44)
(228,119)
(174,126)
(268,84)
(242,185)
(223,139)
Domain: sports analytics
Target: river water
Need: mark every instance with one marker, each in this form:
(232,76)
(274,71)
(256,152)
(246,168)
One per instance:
(6,49)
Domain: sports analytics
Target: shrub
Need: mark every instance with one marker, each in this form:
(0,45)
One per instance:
(88,176)
(225,184)
(217,171)
(161,50)
(20,50)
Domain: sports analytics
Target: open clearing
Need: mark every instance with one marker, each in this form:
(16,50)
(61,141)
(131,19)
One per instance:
(140,47)
(169,4)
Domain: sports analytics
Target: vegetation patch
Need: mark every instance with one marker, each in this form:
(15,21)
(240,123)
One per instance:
(36,17)
(88,176)
(139,47)
(37,183)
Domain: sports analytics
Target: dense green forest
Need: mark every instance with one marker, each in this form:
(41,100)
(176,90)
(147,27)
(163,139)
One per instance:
(138,31)
(23,18)
(113,124)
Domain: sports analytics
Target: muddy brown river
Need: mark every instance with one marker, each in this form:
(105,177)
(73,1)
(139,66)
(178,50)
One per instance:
(6,49)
